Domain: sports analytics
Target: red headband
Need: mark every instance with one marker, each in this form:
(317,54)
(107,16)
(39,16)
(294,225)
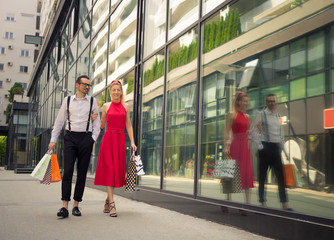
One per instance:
(115,82)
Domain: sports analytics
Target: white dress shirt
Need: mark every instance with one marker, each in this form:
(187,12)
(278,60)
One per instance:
(79,111)
(267,131)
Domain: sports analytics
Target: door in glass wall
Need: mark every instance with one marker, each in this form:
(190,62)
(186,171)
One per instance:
(152,120)
(181,114)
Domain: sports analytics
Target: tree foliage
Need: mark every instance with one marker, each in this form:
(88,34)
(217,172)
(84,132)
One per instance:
(3,144)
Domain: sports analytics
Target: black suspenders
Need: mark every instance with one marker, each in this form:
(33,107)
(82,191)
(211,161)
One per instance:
(90,113)
(68,112)
(266,124)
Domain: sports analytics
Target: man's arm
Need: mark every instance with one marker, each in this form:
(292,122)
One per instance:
(96,122)
(282,142)
(256,130)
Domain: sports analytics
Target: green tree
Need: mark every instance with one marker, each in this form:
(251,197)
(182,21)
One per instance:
(16,89)
(218,34)
(3,144)
(130,85)
(8,111)
(212,36)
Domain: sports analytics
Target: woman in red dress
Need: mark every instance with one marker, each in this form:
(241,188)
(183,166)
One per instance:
(111,165)
(237,144)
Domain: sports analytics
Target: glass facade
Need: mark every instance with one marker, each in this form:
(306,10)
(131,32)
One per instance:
(180,63)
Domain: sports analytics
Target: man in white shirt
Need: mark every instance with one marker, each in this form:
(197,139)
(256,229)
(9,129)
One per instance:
(81,133)
(269,138)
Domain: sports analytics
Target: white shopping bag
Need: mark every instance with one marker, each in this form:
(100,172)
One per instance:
(139,166)
(41,168)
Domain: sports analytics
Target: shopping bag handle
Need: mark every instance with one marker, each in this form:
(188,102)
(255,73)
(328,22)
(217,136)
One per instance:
(49,152)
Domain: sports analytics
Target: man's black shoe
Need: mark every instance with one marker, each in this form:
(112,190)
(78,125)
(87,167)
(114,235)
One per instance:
(76,212)
(63,213)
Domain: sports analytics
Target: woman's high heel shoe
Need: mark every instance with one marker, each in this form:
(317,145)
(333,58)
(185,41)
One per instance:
(106,208)
(111,207)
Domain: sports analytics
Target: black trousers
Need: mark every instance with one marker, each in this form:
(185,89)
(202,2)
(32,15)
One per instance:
(270,156)
(77,147)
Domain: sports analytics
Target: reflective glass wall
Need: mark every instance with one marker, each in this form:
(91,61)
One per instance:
(180,63)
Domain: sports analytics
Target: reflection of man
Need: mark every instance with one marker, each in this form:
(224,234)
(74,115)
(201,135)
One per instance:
(268,135)
(81,133)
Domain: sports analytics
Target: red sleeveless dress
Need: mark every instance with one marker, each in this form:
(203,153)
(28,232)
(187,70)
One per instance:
(240,149)
(111,163)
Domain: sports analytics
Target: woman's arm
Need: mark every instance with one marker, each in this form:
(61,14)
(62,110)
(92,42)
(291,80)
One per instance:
(104,114)
(227,132)
(129,128)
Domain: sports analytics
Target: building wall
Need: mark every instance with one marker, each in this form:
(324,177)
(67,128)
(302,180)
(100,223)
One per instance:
(17,18)
(180,72)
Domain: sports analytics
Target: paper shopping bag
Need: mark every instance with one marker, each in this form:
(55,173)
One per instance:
(55,171)
(289,175)
(41,168)
(47,177)
(224,168)
(139,166)
(130,184)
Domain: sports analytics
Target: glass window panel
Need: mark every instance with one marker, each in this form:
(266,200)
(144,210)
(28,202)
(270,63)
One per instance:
(181,15)
(281,64)
(181,113)
(60,69)
(298,58)
(298,117)
(297,89)
(155,25)
(315,116)
(316,84)
(59,97)
(316,52)
(253,99)
(83,63)
(100,98)
(152,106)
(84,7)
(209,5)
(72,51)
(122,39)
(71,81)
(267,67)
(316,145)
(100,15)
(98,60)
(84,34)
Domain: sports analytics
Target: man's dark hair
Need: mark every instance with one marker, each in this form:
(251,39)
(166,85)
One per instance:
(79,78)
(270,95)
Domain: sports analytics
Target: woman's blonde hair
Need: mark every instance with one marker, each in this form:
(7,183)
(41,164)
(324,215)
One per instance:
(239,95)
(119,83)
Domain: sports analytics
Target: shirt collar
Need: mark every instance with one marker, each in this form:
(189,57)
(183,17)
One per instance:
(270,112)
(74,97)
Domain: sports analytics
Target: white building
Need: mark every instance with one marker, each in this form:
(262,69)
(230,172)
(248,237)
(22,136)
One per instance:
(17,19)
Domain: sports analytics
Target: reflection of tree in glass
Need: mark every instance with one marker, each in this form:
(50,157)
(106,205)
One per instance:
(217,33)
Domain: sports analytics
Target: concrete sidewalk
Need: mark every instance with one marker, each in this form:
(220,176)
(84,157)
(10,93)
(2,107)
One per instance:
(28,211)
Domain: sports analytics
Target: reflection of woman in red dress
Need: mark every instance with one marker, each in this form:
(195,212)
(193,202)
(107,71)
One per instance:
(237,144)
(111,165)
